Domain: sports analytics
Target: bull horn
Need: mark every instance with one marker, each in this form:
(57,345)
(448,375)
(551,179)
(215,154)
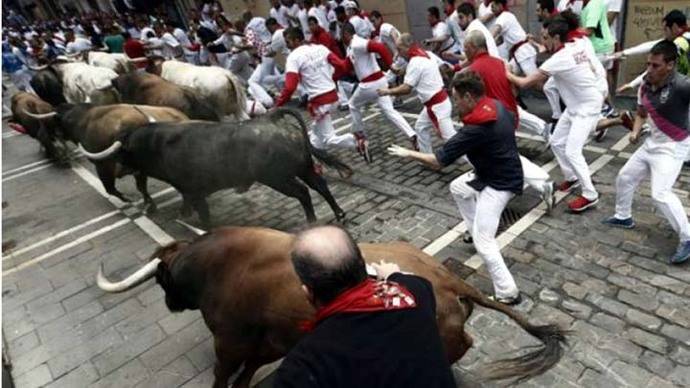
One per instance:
(103,154)
(38,68)
(141,275)
(40,116)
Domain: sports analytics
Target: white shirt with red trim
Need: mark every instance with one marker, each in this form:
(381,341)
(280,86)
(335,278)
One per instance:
(423,76)
(441,29)
(280,15)
(477,25)
(387,34)
(362,26)
(484,10)
(321,15)
(576,77)
(363,60)
(310,62)
(278,44)
(511,32)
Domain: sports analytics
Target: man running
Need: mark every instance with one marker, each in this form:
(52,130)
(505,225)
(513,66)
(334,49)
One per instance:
(663,102)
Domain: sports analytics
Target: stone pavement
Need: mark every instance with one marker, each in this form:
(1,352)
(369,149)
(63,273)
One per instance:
(628,310)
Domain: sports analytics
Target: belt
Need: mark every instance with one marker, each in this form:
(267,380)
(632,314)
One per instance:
(322,99)
(373,77)
(435,99)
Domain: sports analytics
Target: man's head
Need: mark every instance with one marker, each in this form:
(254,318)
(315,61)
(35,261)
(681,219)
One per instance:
(403,43)
(351,8)
(675,23)
(328,262)
(272,25)
(348,31)
(555,35)
(294,37)
(545,9)
(661,62)
(247,16)
(376,18)
(340,14)
(498,6)
(475,43)
(313,24)
(433,15)
(468,89)
(466,13)
(275,3)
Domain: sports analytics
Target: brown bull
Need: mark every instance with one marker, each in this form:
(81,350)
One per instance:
(96,127)
(25,106)
(243,282)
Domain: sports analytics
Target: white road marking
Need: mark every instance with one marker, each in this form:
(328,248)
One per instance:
(66,232)
(26,166)
(154,231)
(94,182)
(7,135)
(67,246)
(26,172)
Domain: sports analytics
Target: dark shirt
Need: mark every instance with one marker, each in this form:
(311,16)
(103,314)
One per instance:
(400,348)
(492,150)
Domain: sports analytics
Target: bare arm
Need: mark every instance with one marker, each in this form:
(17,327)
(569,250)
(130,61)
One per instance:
(534,80)
(399,90)
(427,159)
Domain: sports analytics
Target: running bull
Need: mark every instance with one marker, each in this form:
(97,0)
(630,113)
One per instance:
(73,82)
(95,128)
(243,282)
(149,89)
(199,158)
(25,106)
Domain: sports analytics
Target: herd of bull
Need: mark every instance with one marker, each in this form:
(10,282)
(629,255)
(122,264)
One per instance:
(167,124)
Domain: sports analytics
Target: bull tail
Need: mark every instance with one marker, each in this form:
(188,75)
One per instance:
(529,364)
(240,110)
(343,169)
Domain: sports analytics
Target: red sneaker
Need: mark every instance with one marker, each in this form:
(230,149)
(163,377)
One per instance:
(568,186)
(580,204)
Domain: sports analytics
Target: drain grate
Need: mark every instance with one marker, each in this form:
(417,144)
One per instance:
(508,218)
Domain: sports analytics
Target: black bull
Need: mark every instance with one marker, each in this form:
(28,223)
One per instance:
(199,158)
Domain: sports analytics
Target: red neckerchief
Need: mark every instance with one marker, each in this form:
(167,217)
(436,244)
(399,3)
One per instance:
(576,34)
(416,51)
(684,30)
(484,112)
(449,9)
(487,3)
(368,296)
(435,23)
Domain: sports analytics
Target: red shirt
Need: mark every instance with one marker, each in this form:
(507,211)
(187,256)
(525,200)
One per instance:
(493,73)
(322,36)
(134,49)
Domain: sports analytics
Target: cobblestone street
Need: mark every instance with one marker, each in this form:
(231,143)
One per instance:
(628,309)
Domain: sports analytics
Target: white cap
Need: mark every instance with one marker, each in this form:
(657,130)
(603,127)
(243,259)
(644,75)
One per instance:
(350,5)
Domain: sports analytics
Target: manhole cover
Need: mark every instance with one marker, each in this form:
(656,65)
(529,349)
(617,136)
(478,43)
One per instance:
(508,218)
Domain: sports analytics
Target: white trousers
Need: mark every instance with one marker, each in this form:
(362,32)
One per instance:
(366,93)
(553,97)
(530,122)
(425,125)
(322,134)
(264,76)
(567,142)
(481,211)
(664,170)
(535,176)
(344,91)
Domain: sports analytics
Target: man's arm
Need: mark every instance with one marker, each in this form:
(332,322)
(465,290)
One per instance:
(535,79)
(399,90)
(291,82)
(380,49)
(640,118)
(427,159)
(496,31)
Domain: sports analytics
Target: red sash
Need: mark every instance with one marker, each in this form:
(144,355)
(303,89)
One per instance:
(435,99)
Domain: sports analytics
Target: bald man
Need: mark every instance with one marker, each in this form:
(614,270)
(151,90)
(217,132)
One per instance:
(367,332)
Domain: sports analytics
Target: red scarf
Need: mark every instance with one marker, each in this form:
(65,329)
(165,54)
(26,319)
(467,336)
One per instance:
(368,296)
(416,51)
(485,111)
(576,34)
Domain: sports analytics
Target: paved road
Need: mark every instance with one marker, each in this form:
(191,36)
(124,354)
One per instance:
(628,310)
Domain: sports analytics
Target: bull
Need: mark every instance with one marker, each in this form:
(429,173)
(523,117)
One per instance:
(149,89)
(25,107)
(218,86)
(199,158)
(117,62)
(95,128)
(242,281)
(74,82)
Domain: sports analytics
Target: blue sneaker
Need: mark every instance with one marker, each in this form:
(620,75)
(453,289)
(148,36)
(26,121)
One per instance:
(627,223)
(682,253)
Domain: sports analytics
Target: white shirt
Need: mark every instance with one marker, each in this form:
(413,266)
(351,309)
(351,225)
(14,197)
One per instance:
(440,29)
(134,32)
(182,37)
(172,46)
(477,25)
(321,15)
(304,23)
(258,25)
(423,76)
(310,61)
(293,12)
(280,15)
(484,10)
(615,6)
(156,46)
(278,44)
(78,45)
(575,6)
(363,27)
(363,61)
(387,35)
(575,75)
(455,30)
(511,32)
(145,32)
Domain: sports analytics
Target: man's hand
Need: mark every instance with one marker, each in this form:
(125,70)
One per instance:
(634,136)
(396,150)
(623,88)
(384,269)
(382,92)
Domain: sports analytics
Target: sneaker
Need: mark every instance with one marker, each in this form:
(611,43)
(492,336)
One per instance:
(467,238)
(415,142)
(510,301)
(580,204)
(628,120)
(343,107)
(568,186)
(398,102)
(363,146)
(682,253)
(600,134)
(608,111)
(627,223)
(548,196)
